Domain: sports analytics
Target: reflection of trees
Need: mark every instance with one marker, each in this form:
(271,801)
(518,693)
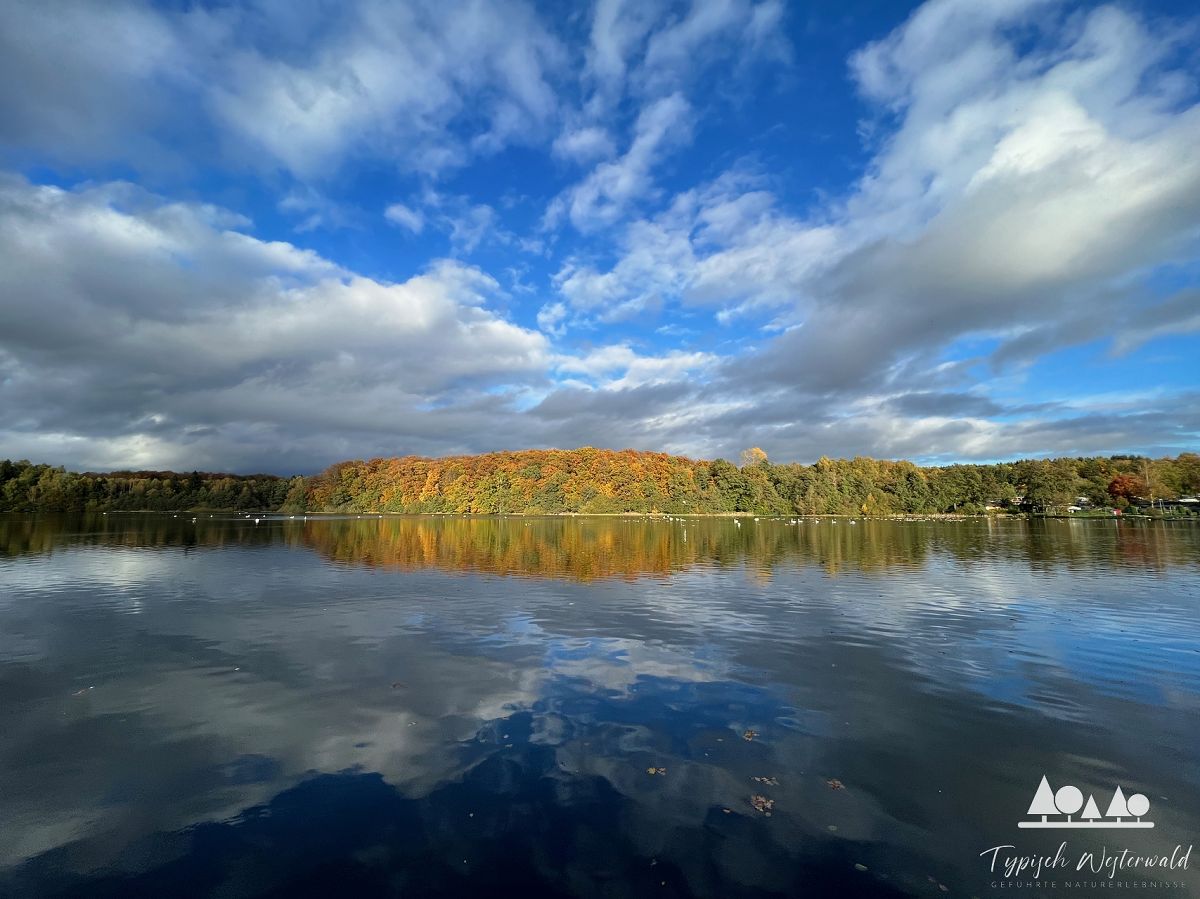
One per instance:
(587,549)
(593,548)
(45,532)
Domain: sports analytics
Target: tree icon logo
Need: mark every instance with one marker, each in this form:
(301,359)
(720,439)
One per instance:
(1050,807)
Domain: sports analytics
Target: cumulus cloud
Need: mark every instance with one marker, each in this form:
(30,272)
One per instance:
(140,331)
(1020,206)
(126,315)
(1019,197)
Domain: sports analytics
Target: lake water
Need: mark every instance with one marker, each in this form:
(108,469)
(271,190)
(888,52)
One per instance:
(422,706)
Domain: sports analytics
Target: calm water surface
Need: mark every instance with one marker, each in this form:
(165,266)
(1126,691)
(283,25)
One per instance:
(421,706)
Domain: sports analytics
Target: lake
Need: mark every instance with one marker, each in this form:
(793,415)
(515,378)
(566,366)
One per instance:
(420,706)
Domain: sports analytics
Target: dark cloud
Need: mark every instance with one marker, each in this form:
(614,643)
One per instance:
(949,405)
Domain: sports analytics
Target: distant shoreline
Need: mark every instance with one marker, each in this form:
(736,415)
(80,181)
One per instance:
(630,483)
(275,515)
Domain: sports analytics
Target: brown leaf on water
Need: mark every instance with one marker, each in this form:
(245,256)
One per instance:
(749,735)
(834,784)
(762,804)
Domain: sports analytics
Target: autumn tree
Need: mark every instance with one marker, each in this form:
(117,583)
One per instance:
(753,456)
(1126,486)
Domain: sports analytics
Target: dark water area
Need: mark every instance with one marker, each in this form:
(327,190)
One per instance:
(414,706)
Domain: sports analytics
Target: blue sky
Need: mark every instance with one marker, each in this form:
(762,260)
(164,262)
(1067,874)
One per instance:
(273,235)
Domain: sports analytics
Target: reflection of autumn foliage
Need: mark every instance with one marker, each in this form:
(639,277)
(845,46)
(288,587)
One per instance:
(585,549)
(595,548)
(579,549)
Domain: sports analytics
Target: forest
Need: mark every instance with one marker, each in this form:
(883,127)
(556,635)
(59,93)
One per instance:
(601,481)
(25,487)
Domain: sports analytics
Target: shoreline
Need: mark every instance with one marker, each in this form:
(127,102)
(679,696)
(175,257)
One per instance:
(651,516)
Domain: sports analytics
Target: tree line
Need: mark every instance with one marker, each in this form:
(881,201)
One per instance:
(604,481)
(594,481)
(26,487)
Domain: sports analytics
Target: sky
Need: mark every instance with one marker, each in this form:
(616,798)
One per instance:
(271,235)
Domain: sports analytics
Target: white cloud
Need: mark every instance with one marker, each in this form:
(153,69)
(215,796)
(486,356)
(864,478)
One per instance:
(474,225)
(584,145)
(405,217)
(1023,195)
(551,317)
(723,245)
(1014,189)
(288,86)
(619,27)
(648,49)
(395,80)
(604,195)
(619,367)
(155,319)
(704,33)
(163,334)
(315,210)
(468,225)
